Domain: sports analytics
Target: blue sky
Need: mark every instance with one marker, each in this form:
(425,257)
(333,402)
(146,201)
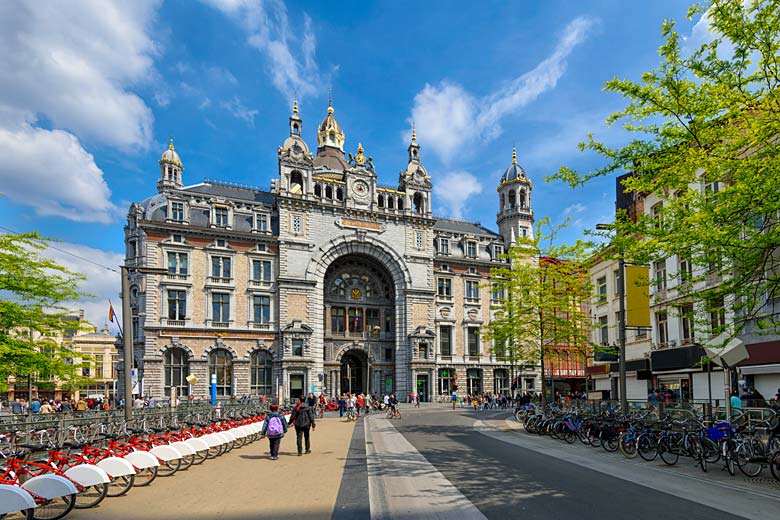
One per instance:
(94,90)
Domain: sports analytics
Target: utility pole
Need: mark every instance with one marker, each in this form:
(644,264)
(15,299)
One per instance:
(622,332)
(127,332)
(127,342)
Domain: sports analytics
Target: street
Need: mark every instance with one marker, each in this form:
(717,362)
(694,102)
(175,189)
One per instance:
(479,464)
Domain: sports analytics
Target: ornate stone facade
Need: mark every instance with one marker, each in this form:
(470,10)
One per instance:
(328,282)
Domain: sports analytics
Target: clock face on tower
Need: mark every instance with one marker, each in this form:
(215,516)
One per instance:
(360,190)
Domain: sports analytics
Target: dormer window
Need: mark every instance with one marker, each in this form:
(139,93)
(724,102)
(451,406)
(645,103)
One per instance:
(444,246)
(221,216)
(177,211)
(471,248)
(261,222)
(497,252)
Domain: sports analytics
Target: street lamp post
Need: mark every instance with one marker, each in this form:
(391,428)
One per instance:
(127,332)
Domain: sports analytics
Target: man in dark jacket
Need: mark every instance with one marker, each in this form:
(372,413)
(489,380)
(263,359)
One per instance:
(303,419)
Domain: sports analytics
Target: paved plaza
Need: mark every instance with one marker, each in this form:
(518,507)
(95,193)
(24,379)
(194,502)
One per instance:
(440,463)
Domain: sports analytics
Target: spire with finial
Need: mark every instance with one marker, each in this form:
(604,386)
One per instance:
(514,155)
(170,143)
(295,106)
(330,100)
(414,134)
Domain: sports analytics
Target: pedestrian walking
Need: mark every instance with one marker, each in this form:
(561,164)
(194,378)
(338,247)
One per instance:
(303,420)
(454,399)
(274,427)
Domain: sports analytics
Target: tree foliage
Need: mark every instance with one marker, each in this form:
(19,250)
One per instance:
(33,290)
(705,127)
(542,313)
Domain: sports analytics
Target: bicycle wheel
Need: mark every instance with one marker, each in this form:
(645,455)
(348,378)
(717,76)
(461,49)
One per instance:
(609,441)
(647,447)
(711,450)
(186,462)
(144,477)
(168,468)
(569,436)
(201,456)
(774,465)
(667,452)
(746,460)
(120,485)
(730,461)
(91,496)
(628,447)
(55,508)
(26,514)
(696,452)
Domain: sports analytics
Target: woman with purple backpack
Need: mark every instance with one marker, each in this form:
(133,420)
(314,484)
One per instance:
(274,427)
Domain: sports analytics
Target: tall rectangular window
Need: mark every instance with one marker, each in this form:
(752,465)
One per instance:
(338,319)
(444,246)
(177,211)
(221,216)
(372,321)
(663,328)
(471,249)
(472,290)
(686,321)
(420,240)
(497,252)
(601,286)
(355,321)
(177,305)
(686,269)
(445,340)
(262,309)
(261,270)
(220,266)
(473,341)
(388,321)
(262,222)
(717,315)
(178,263)
(220,307)
(660,275)
(445,287)
(603,330)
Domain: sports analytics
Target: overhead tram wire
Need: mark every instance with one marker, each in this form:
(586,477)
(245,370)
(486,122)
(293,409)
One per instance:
(65,251)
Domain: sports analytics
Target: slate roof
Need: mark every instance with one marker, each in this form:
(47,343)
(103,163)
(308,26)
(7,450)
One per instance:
(234,192)
(462,226)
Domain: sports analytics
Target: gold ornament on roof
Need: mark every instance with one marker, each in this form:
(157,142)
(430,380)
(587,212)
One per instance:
(170,144)
(295,106)
(514,155)
(360,159)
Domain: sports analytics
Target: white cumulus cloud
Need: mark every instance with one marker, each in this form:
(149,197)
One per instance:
(65,79)
(50,171)
(291,59)
(453,189)
(447,116)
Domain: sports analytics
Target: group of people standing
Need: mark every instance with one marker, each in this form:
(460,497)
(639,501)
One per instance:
(46,406)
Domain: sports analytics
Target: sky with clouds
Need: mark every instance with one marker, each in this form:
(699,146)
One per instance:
(91,90)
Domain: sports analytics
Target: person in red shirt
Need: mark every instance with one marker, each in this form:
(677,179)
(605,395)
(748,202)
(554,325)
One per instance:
(359,404)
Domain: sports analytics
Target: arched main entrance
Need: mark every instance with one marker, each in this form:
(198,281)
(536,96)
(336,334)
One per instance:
(354,372)
(360,325)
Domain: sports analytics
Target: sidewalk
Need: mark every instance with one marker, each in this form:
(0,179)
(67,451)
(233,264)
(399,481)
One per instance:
(245,484)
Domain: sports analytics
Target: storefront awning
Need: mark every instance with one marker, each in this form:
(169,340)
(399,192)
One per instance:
(773,368)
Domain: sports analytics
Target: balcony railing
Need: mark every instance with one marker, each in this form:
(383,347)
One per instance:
(177,276)
(219,280)
(220,324)
(175,323)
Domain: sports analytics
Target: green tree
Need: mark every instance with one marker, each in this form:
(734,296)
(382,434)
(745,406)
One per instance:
(705,127)
(541,315)
(33,290)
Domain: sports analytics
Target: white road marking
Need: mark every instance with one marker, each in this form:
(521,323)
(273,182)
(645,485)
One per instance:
(403,484)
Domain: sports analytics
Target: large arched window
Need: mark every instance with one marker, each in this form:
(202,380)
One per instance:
(221,364)
(261,371)
(523,201)
(176,366)
(511,198)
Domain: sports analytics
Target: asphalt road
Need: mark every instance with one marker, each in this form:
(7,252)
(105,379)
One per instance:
(509,481)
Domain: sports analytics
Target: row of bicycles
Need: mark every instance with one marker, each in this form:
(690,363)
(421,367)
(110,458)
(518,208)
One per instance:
(45,473)
(740,444)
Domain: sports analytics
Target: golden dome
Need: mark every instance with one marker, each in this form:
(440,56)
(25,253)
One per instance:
(170,156)
(330,133)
